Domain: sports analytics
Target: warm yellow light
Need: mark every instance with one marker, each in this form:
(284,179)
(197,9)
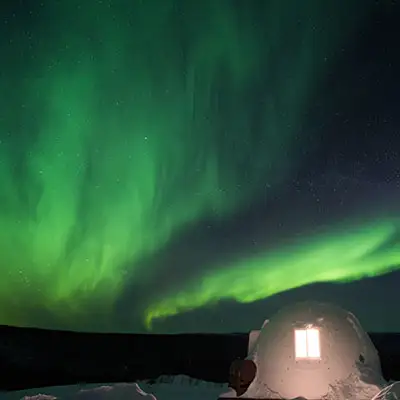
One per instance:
(306,343)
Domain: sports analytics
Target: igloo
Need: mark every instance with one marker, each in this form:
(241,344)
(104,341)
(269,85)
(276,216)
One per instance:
(310,350)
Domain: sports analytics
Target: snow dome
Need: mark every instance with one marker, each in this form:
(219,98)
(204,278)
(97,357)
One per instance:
(311,350)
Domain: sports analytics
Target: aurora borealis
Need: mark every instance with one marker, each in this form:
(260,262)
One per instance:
(160,156)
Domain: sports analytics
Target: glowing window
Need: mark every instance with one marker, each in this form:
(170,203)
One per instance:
(306,343)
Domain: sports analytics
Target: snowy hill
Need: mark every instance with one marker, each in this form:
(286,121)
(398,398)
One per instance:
(168,388)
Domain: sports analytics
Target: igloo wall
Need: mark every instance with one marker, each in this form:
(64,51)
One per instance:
(347,365)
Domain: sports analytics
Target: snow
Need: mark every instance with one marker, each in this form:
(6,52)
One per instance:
(167,388)
(178,388)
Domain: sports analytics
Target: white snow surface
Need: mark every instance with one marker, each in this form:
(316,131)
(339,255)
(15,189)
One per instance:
(167,388)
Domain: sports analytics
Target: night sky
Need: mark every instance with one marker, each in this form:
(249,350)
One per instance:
(194,165)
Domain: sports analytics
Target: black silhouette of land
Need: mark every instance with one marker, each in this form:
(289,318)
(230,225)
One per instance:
(32,358)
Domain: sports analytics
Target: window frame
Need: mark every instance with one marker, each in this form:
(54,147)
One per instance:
(304,339)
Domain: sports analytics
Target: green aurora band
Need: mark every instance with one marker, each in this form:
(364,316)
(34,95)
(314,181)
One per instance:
(344,255)
(128,121)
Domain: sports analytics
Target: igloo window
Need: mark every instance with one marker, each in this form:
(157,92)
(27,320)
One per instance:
(307,344)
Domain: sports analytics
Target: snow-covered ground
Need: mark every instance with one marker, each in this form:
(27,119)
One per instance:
(168,388)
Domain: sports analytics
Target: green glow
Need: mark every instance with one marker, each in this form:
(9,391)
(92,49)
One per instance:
(343,255)
(121,131)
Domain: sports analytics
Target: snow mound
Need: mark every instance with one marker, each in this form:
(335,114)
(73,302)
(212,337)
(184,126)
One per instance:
(166,388)
(343,363)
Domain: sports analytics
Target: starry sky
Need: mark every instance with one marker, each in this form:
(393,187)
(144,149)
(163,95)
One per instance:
(184,165)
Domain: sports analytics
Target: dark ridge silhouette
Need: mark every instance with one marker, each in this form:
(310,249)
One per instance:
(31,358)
